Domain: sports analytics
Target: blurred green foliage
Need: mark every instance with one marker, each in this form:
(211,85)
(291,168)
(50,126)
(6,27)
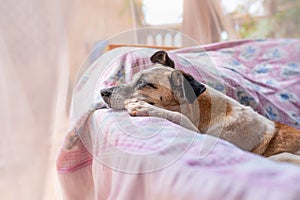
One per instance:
(284,22)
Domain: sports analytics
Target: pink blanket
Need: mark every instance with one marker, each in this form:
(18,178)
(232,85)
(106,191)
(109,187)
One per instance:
(110,155)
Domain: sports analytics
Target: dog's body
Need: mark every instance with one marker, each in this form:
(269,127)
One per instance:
(164,92)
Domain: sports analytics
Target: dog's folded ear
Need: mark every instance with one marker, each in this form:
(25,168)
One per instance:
(162,58)
(185,87)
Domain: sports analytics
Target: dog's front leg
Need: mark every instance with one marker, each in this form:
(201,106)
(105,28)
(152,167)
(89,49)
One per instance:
(286,157)
(141,108)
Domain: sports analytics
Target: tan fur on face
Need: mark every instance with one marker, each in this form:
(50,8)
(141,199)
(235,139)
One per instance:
(161,96)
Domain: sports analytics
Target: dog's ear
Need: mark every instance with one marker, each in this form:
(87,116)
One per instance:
(185,86)
(162,58)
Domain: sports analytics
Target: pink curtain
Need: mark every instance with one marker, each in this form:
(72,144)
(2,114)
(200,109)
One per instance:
(204,21)
(34,68)
(42,45)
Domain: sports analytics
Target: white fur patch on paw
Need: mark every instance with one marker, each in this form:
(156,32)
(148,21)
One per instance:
(137,108)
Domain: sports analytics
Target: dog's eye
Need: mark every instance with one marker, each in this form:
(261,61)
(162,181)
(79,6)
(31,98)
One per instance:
(141,83)
(151,85)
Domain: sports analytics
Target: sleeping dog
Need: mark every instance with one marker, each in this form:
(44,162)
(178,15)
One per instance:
(165,92)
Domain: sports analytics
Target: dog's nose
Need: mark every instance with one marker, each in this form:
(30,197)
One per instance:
(106,92)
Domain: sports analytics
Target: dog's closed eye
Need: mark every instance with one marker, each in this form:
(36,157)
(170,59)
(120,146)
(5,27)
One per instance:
(151,85)
(143,83)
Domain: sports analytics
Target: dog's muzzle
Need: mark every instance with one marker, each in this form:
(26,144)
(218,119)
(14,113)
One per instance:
(106,94)
(114,97)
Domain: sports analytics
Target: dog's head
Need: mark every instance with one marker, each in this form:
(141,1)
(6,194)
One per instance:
(161,85)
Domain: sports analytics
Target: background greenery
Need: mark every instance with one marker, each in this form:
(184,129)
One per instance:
(281,19)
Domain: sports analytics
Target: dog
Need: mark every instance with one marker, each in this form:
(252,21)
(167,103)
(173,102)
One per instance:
(165,92)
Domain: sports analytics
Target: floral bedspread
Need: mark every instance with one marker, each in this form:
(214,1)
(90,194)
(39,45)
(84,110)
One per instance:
(110,155)
(264,74)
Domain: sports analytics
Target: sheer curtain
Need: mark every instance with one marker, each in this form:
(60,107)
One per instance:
(42,44)
(33,60)
(204,21)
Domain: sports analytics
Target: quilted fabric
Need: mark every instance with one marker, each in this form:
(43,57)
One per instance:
(120,157)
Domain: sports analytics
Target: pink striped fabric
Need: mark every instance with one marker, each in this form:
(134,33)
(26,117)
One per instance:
(121,157)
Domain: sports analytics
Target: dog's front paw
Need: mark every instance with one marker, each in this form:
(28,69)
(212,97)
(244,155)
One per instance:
(140,108)
(137,108)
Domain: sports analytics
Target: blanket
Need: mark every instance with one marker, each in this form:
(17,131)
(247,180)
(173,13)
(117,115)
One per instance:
(110,155)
